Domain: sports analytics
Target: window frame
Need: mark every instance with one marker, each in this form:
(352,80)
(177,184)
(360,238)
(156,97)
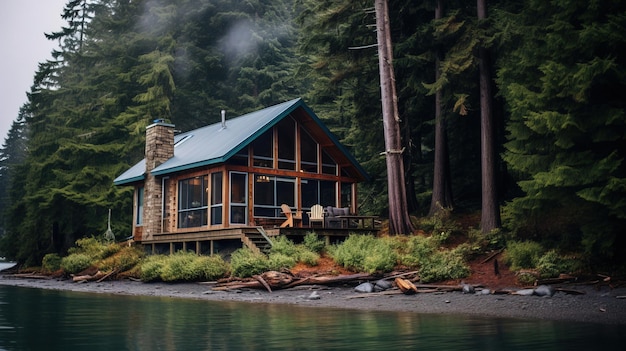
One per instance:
(189,205)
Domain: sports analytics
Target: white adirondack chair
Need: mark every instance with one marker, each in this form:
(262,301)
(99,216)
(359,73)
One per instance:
(316,215)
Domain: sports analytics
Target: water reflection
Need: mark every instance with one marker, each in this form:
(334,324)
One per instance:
(33,319)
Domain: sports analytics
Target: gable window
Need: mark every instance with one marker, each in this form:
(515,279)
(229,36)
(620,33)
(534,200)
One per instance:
(240,158)
(192,202)
(329,166)
(139,219)
(263,150)
(287,144)
(270,192)
(308,152)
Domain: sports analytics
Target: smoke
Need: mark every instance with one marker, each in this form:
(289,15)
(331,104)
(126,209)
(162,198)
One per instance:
(239,41)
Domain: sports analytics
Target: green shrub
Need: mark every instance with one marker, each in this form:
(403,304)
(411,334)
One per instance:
(209,267)
(493,240)
(151,268)
(51,262)
(282,245)
(245,263)
(523,254)
(89,246)
(551,264)
(278,261)
(182,266)
(122,259)
(416,249)
(526,278)
(111,249)
(443,265)
(364,253)
(441,224)
(434,263)
(177,267)
(75,263)
(308,257)
(313,243)
(285,254)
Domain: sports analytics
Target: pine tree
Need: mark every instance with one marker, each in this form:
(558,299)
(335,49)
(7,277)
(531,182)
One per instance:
(12,155)
(563,80)
(442,198)
(490,210)
(399,221)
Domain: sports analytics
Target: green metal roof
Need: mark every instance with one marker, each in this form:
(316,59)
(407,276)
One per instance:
(214,144)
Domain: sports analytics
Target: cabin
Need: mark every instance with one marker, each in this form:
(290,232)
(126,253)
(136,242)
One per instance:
(242,181)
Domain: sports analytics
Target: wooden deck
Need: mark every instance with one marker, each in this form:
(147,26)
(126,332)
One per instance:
(224,241)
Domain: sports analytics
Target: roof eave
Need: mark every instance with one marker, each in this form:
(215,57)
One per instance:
(129,181)
(167,171)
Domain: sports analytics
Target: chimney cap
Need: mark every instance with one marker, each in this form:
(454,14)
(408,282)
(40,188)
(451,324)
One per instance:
(160,122)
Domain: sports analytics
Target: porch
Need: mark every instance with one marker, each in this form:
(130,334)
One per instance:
(225,241)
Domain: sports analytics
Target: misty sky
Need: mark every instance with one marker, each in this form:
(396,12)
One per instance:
(22,27)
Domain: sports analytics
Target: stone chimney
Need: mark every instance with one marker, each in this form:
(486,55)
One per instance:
(159,148)
(159,144)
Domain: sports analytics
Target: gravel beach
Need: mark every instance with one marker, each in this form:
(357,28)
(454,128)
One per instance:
(597,305)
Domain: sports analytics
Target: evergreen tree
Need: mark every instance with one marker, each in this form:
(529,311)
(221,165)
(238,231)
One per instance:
(126,64)
(490,208)
(12,155)
(563,80)
(399,221)
(442,198)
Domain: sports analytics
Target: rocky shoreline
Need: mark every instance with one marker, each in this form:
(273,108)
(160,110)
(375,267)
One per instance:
(602,305)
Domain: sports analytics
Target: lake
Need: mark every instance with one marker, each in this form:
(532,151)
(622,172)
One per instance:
(38,319)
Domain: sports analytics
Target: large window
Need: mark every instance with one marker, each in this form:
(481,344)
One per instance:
(263,150)
(270,192)
(310,190)
(329,166)
(216,198)
(192,202)
(318,192)
(308,152)
(139,219)
(238,198)
(328,193)
(287,144)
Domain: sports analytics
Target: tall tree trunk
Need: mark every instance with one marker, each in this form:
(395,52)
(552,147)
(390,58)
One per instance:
(399,220)
(490,212)
(442,187)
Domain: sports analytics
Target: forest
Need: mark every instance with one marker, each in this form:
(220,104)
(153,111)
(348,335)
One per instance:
(512,109)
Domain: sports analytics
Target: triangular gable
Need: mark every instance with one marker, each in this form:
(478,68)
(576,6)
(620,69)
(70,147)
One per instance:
(214,144)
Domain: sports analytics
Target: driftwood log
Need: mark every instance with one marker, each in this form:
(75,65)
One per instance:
(273,280)
(406,286)
(88,277)
(98,276)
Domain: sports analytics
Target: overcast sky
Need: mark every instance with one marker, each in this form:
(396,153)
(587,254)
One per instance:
(22,27)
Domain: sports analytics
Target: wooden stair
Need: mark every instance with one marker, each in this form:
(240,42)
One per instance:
(258,241)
